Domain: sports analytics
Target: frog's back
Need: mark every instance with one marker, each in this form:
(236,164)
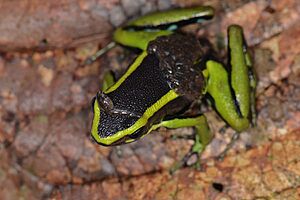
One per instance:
(145,86)
(165,81)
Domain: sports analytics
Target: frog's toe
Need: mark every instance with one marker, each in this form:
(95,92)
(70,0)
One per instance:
(191,159)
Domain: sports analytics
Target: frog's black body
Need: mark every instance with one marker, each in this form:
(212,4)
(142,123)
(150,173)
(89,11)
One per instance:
(139,91)
(167,66)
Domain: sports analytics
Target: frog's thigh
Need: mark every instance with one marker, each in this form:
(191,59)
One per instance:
(218,87)
(241,67)
(203,135)
(243,79)
(137,39)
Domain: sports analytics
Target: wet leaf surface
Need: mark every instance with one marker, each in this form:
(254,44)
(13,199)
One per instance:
(45,149)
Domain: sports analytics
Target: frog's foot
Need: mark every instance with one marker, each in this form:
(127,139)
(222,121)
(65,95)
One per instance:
(192,158)
(223,129)
(202,137)
(234,138)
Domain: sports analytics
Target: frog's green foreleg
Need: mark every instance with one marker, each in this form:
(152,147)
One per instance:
(203,135)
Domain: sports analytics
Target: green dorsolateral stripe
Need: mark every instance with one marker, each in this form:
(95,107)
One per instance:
(131,69)
(96,121)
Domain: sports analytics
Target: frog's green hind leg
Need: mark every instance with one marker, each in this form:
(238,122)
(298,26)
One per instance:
(233,94)
(139,32)
(137,39)
(243,80)
(202,135)
(220,90)
(218,87)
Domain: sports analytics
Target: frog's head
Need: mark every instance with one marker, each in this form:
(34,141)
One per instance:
(113,126)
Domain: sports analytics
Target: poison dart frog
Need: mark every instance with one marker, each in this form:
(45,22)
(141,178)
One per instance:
(172,71)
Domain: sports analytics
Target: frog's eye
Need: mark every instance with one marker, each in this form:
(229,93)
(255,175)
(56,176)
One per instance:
(104,101)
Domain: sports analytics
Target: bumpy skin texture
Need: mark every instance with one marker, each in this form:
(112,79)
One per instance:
(181,57)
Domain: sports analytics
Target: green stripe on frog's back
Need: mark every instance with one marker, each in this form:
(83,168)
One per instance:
(96,121)
(173,16)
(131,69)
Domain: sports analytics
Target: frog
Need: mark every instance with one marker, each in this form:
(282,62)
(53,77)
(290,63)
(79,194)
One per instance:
(174,70)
